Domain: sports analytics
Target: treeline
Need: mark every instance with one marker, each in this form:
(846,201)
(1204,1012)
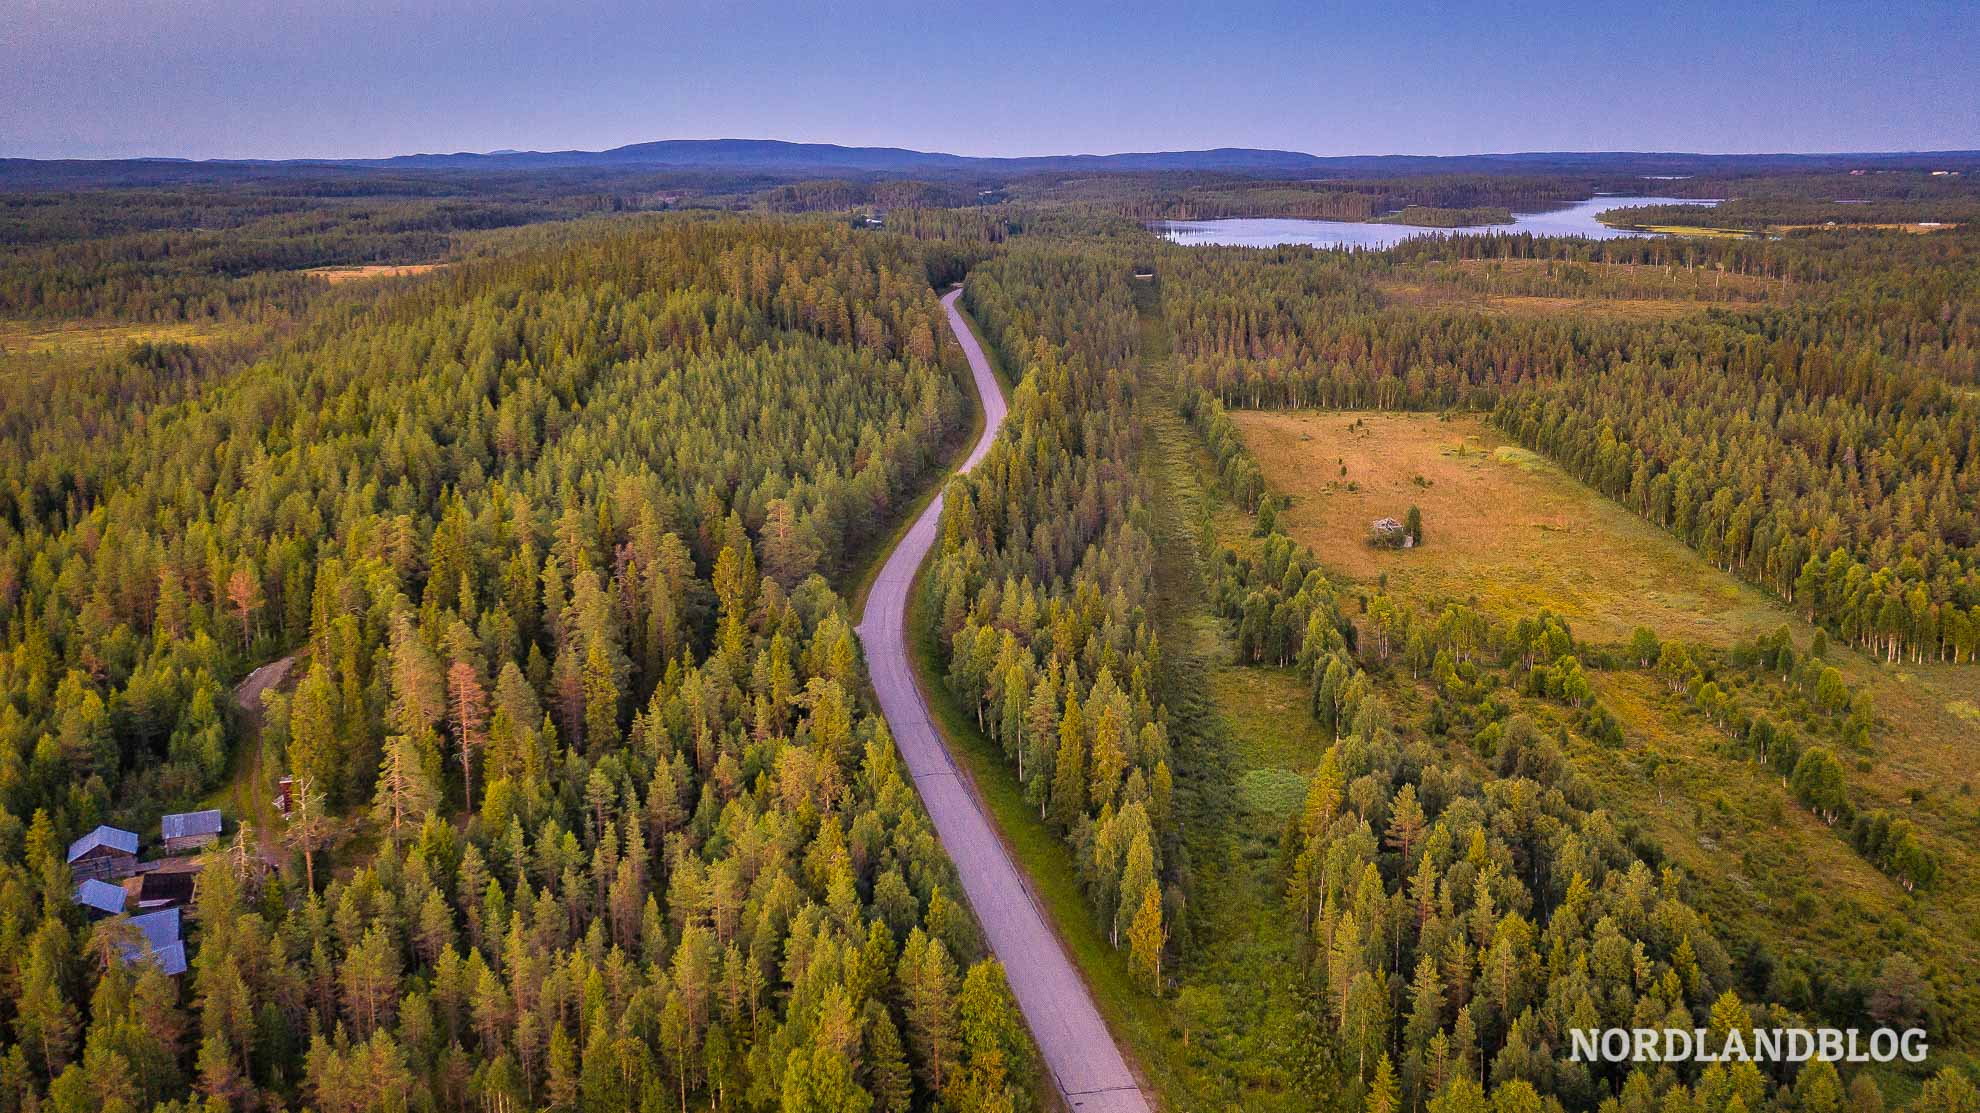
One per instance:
(1181,196)
(1431,216)
(1667,281)
(1774,214)
(886,194)
(1823,448)
(545,537)
(201,257)
(1040,583)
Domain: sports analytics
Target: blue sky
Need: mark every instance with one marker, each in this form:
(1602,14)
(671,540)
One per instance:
(290,78)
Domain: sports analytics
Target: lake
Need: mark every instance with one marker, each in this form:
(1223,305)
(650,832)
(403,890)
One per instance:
(1577,219)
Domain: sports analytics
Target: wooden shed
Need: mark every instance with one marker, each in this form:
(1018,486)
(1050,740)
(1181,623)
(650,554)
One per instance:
(106,854)
(189,830)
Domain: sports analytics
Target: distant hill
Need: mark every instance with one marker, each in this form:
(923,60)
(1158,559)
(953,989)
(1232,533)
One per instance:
(779,155)
(778,158)
(776,155)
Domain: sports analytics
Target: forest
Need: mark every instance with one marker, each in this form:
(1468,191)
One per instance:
(588,802)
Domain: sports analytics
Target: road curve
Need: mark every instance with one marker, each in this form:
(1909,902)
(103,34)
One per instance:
(1086,1065)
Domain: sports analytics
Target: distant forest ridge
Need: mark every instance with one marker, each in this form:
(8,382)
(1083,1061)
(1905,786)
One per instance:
(778,157)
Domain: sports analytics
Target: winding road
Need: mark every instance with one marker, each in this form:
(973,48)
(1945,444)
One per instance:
(1086,1065)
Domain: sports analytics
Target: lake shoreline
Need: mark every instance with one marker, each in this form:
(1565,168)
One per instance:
(1578,218)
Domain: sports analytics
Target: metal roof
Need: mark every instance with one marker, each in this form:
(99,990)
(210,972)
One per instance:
(171,959)
(161,939)
(113,837)
(189,824)
(160,929)
(101,895)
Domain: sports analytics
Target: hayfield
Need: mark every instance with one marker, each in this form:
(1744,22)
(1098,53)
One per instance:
(85,338)
(1502,526)
(336,275)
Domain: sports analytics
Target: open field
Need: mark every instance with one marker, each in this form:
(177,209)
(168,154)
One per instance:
(1544,288)
(1920,228)
(1436,296)
(1510,529)
(1501,525)
(44,338)
(336,275)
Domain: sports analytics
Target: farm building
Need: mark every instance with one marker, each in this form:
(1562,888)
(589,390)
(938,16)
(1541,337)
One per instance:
(1388,531)
(161,941)
(106,853)
(100,898)
(165,888)
(189,830)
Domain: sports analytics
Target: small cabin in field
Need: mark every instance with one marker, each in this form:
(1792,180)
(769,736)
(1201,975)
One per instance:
(1388,531)
(189,830)
(99,898)
(106,854)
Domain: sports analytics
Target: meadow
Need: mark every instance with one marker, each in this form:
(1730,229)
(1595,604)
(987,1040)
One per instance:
(1502,525)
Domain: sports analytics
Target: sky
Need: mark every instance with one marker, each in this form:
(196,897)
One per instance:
(347,78)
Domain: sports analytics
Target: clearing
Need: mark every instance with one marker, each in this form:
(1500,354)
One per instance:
(357,273)
(1553,288)
(21,337)
(1502,525)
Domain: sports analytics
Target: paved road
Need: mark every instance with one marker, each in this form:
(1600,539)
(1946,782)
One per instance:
(1085,1064)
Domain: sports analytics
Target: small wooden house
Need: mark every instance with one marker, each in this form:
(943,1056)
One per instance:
(106,854)
(1389,532)
(189,830)
(284,789)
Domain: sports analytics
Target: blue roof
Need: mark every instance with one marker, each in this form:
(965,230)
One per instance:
(188,824)
(171,959)
(160,929)
(161,938)
(101,895)
(112,837)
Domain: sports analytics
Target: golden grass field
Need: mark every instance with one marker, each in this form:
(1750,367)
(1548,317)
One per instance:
(93,337)
(1501,525)
(336,275)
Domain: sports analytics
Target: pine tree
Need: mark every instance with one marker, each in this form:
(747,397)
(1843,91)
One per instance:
(308,827)
(928,981)
(1069,775)
(887,1075)
(1384,1095)
(405,794)
(467,705)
